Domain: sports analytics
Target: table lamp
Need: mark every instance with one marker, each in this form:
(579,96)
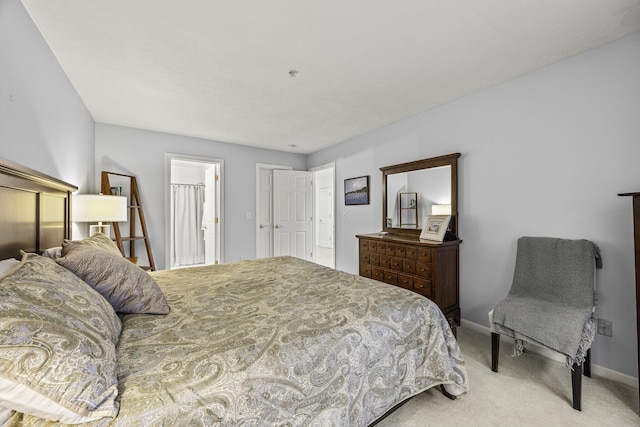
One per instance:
(99,208)
(441,210)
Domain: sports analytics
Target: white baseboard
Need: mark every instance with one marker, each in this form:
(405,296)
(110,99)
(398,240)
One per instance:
(598,370)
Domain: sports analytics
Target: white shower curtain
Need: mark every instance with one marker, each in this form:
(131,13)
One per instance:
(186,224)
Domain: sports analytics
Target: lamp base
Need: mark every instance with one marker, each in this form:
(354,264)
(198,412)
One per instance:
(100,228)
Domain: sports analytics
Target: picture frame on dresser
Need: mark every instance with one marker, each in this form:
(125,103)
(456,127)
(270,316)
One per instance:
(436,228)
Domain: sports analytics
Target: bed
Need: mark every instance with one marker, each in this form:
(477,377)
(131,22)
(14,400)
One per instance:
(277,341)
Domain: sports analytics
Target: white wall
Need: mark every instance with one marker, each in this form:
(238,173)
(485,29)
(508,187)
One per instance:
(141,153)
(43,122)
(545,154)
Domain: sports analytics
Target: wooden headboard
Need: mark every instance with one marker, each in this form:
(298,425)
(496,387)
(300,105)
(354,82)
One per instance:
(35,210)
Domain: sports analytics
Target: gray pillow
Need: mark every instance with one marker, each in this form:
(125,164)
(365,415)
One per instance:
(126,286)
(53,253)
(58,340)
(98,240)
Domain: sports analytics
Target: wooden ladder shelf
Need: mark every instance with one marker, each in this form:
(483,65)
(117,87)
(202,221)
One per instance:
(135,210)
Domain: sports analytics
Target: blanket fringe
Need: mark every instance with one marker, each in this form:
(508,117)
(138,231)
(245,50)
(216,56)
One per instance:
(586,339)
(518,347)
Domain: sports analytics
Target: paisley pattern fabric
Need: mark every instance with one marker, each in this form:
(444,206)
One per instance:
(57,344)
(278,342)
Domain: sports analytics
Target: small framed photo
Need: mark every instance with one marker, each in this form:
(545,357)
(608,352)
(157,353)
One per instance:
(356,191)
(435,228)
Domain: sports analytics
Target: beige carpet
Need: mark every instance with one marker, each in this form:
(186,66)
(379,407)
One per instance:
(527,391)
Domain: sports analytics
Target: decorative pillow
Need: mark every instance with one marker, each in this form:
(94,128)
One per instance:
(126,286)
(6,265)
(98,240)
(53,253)
(57,345)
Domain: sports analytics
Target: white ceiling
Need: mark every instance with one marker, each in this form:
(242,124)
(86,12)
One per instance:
(220,69)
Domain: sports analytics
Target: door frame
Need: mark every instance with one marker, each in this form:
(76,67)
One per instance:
(260,166)
(168,157)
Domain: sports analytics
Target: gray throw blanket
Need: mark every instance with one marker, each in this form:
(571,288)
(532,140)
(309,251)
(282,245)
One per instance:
(552,297)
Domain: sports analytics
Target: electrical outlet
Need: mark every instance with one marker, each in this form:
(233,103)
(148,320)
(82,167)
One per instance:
(605,327)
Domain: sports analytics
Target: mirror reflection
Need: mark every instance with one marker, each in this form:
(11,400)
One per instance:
(414,195)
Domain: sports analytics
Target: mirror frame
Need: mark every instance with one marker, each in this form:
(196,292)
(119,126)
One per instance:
(446,160)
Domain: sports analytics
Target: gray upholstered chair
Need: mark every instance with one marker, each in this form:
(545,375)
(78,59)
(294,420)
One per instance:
(551,303)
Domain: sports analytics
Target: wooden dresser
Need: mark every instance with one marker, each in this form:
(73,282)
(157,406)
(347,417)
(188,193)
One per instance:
(430,269)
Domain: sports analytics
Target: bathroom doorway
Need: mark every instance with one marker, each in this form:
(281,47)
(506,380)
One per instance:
(194,220)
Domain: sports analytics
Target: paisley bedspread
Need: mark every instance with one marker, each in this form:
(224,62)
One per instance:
(279,342)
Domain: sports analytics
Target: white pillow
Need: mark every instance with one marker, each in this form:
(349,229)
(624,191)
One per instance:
(6,265)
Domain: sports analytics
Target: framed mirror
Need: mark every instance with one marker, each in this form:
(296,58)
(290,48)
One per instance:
(413,191)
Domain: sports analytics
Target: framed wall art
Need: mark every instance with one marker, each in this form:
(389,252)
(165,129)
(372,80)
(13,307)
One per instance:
(356,191)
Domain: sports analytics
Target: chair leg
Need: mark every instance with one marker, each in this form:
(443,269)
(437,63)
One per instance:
(587,364)
(495,351)
(576,385)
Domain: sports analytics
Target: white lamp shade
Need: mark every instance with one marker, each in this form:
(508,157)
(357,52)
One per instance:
(98,208)
(441,210)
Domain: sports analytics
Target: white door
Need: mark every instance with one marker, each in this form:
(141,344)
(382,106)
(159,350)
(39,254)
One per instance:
(264,232)
(325,211)
(292,219)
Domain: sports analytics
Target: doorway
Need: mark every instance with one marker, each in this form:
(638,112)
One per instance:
(324,215)
(193,220)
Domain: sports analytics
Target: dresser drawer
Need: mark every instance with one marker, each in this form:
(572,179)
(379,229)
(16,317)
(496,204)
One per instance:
(405,281)
(390,249)
(424,254)
(409,266)
(365,270)
(381,248)
(385,261)
(374,259)
(377,273)
(401,251)
(396,263)
(390,277)
(365,258)
(364,245)
(411,252)
(422,286)
(423,270)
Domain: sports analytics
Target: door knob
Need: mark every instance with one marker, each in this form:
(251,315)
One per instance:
(263,226)
(278,226)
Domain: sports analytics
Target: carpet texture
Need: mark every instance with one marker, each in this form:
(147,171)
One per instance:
(531,390)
